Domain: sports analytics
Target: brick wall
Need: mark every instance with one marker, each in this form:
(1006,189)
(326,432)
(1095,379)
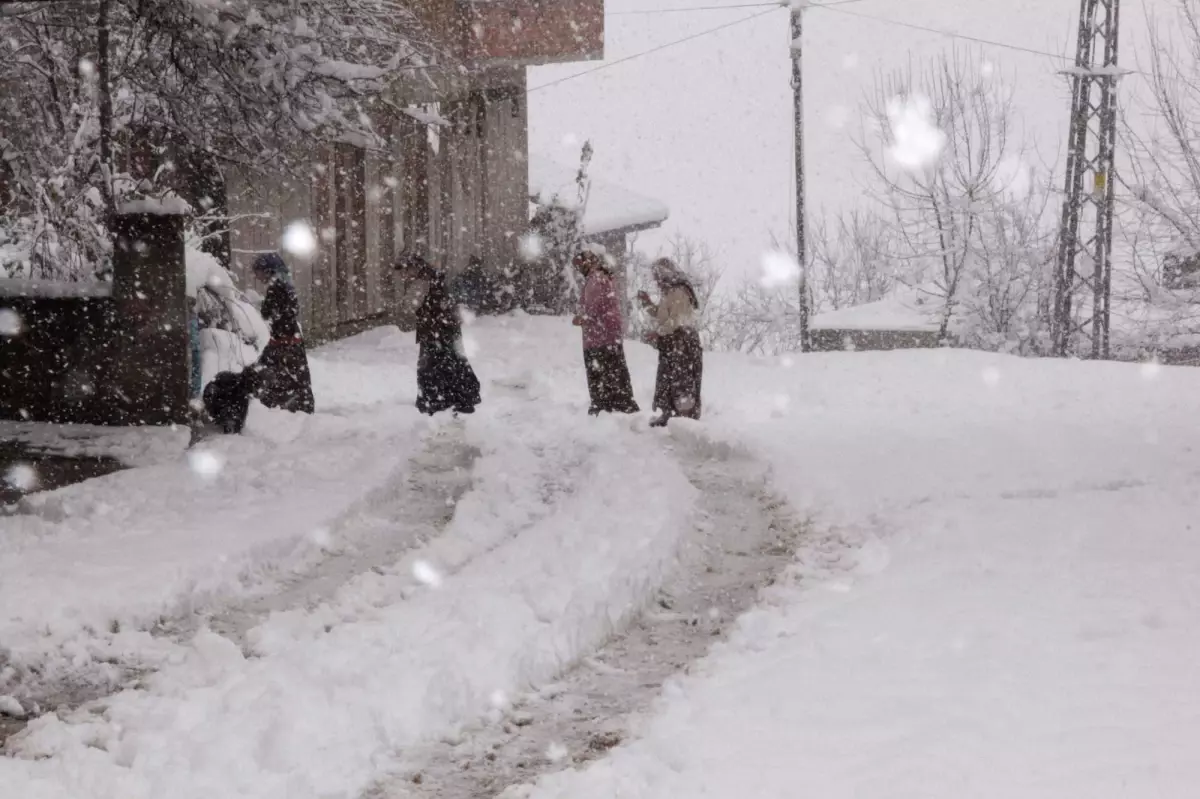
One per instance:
(534,31)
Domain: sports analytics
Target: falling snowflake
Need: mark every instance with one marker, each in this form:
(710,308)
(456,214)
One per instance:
(321,538)
(837,117)
(531,247)
(205,464)
(23,477)
(498,699)
(556,752)
(1151,369)
(467,347)
(1013,179)
(10,322)
(778,269)
(298,239)
(87,67)
(426,574)
(991,376)
(917,142)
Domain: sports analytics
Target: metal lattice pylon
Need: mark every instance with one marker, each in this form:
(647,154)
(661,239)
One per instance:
(1084,264)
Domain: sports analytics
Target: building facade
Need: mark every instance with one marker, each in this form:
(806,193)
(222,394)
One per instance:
(452,180)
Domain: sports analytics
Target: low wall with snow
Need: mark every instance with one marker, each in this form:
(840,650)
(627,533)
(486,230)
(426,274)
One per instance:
(56,353)
(102,353)
(873,340)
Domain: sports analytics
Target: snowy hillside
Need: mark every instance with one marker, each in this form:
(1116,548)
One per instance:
(995,593)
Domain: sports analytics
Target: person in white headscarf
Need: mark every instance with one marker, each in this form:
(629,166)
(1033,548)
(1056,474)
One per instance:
(680,356)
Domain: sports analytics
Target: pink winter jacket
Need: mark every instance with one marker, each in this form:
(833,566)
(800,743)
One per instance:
(600,311)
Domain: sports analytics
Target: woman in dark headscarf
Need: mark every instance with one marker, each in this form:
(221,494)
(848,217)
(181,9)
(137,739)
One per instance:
(680,356)
(283,366)
(445,380)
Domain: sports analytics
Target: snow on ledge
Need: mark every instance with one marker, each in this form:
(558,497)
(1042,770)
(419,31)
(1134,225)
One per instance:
(609,208)
(169,205)
(907,310)
(55,289)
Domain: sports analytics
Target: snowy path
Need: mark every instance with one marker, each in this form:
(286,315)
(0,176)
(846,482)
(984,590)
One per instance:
(745,535)
(564,534)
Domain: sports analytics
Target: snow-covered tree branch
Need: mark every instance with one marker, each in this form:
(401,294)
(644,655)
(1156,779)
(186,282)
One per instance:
(193,86)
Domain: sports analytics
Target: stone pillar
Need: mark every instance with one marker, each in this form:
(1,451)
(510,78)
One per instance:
(148,379)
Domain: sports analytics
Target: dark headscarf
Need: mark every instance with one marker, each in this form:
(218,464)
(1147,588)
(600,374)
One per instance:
(420,268)
(586,260)
(273,265)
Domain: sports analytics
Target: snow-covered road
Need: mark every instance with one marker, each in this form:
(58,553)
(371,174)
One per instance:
(1000,598)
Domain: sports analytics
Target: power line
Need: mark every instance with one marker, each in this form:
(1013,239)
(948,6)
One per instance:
(774,7)
(943,32)
(692,8)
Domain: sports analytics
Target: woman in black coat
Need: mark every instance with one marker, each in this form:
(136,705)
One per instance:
(445,380)
(285,381)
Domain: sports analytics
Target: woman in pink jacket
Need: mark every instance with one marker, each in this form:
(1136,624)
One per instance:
(603,338)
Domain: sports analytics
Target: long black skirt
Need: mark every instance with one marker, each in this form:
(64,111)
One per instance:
(285,381)
(608,380)
(680,373)
(445,380)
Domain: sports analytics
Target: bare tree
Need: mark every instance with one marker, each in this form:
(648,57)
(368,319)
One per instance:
(1165,166)
(937,204)
(970,217)
(852,260)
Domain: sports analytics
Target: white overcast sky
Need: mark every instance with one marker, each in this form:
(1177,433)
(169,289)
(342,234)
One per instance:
(706,126)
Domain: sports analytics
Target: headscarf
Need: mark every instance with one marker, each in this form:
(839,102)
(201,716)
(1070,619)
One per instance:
(587,260)
(419,267)
(272,264)
(668,275)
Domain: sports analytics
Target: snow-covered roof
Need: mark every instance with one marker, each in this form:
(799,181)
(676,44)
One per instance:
(610,208)
(907,309)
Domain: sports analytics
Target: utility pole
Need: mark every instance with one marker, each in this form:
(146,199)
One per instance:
(1091,148)
(797,8)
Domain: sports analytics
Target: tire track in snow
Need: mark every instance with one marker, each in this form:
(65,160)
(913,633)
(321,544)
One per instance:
(746,537)
(405,513)
(393,527)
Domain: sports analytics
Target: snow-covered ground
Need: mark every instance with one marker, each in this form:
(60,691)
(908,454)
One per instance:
(1021,619)
(1003,602)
